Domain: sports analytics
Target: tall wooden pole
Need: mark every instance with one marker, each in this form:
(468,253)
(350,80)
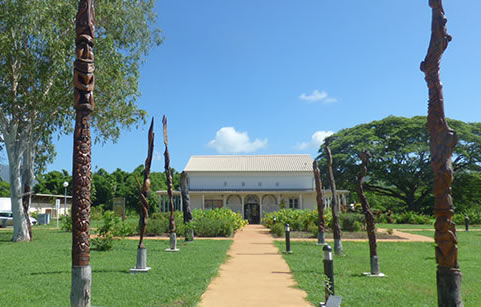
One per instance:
(83,103)
(168,174)
(442,142)
(370,225)
(320,203)
(336,229)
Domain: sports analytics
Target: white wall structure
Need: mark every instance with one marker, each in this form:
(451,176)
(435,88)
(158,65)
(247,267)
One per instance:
(253,184)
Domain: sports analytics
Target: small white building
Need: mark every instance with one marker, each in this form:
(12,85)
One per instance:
(252,184)
(42,203)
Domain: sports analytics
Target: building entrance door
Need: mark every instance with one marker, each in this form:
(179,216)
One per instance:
(252,214)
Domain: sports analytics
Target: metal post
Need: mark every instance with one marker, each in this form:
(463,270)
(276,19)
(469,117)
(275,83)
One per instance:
(466,222)
(65,185)
(288,239)
(328,271)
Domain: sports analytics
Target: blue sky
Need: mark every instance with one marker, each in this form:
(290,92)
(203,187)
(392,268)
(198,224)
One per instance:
(276,76)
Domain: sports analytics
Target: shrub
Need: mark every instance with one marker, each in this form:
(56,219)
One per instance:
(96,212)
(277,230)
(66,223)
(408,217)
(351,221)
(298,220)
(473,215)
(112,226)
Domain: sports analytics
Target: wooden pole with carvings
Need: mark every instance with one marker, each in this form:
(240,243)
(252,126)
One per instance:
(83,103)
(320,204)
(336,229)
(168,174)
(442,142)
(370,225)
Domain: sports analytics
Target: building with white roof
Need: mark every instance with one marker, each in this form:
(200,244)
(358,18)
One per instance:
(253,184)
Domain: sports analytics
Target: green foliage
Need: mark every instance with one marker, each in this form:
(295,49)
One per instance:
(298,220)
(66,221)
(4,189)
(278,230)
(112,226)
(400,165)
(96,213)
(207,223)
(351,221)
(474,216)
(52,183)
(409,217)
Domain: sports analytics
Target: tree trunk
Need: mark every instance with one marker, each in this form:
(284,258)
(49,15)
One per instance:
(336,229)
(27,182)
(20,226)
(442,142)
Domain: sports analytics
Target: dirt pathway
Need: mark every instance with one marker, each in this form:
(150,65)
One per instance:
(255,275)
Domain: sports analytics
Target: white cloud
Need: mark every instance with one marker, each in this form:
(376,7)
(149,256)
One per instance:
(157,156)
(317,96)
(229,141)
(316,140)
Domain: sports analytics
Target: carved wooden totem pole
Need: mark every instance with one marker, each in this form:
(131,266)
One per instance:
(168,174)
(320,203)
(184,185)
(83,104)
(144,189)
(442,142)
(370,226)
(336,229)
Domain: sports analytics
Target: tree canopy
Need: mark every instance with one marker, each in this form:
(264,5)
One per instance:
(400,165)
(36,69)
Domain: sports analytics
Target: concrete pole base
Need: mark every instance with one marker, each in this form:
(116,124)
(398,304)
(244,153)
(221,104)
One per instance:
(81,285)
(173,243)
(338,247)
(321,238)
(375,272)
(141,266)
(449,287)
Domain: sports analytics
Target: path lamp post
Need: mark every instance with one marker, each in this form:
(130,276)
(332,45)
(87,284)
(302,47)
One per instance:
(65,185)
(466,222)
(288,239)
(328,271)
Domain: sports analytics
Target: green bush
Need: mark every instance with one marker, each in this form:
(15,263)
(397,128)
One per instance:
(207,223)
(298,220)
(278,230)
(351,221)
(66,223)
(112,226)
(97,212)
(408,217)
(473,215)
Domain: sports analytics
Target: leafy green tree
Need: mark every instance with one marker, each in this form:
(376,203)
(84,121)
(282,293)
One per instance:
(400,164)
(36,69)
(52,183)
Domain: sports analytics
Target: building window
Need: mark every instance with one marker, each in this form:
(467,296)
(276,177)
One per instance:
(213,203)
(293,203)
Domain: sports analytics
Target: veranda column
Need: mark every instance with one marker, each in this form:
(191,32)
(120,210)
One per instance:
(442,141)
(83,103)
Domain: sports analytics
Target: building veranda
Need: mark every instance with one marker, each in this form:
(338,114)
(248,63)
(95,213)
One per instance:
(252,185)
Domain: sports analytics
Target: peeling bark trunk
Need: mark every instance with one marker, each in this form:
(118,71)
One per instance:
(20,226)
(27,182)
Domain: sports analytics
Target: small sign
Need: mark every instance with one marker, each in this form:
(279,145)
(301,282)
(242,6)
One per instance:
(119,206)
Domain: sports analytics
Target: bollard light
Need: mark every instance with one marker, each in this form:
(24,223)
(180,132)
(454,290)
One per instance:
(328,271)
(288,239)
(274,220)
(466,222)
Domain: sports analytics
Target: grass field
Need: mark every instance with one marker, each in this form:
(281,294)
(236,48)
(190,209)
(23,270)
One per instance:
(410,268)
(38,273)
(421,226)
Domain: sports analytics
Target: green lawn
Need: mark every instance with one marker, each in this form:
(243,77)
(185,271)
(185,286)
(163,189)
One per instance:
(38,273)
(410,268)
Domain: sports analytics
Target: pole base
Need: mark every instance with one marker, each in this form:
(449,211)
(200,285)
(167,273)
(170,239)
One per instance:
(338,247)
(80,293)
(321,238)
(173,243)
(141,266)
(287,252)
(449,287)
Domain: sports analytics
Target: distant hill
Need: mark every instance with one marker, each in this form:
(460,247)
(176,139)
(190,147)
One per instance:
(4,173)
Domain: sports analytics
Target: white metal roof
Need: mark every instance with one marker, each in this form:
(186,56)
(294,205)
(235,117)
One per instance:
(250,163)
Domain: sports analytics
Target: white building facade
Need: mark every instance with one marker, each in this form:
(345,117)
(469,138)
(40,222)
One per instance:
(253,184)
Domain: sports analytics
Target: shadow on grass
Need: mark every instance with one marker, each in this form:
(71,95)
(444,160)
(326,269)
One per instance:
(111,271)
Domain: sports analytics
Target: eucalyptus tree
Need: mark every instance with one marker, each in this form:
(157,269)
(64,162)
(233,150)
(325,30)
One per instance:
(36,56)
